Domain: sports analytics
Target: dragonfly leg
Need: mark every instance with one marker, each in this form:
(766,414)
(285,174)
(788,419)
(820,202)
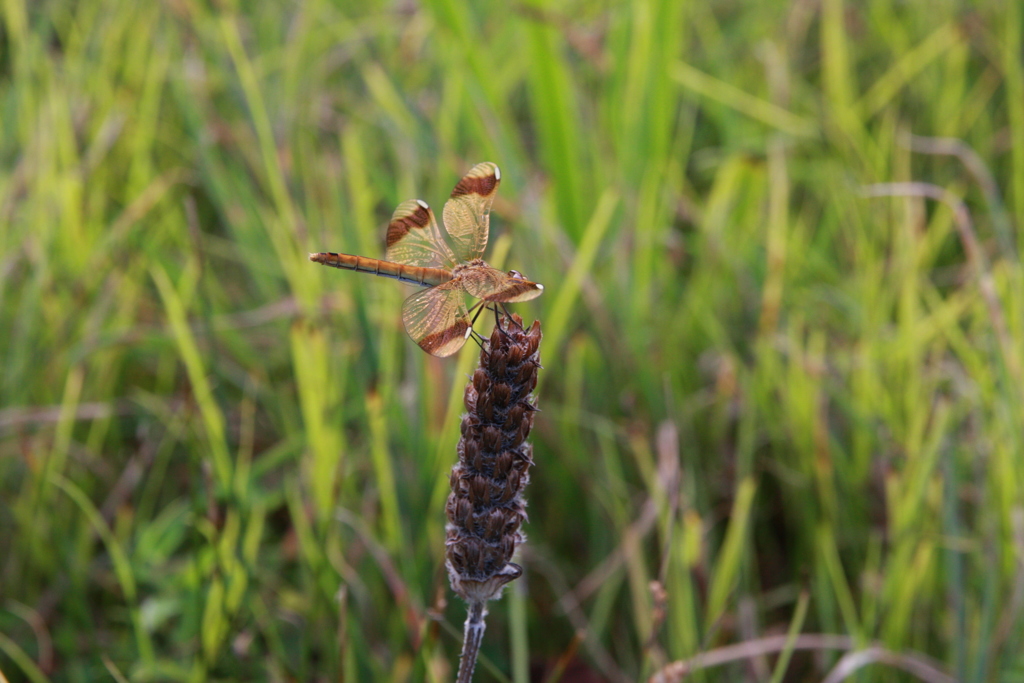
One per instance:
(508,314)
(497,318)
(475,336)
(473,333)
(480,308)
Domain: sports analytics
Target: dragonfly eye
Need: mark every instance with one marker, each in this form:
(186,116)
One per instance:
(516,275)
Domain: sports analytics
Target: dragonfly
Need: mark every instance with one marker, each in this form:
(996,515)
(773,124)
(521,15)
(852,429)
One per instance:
(417,253)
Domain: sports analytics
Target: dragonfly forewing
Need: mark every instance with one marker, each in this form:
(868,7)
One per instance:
(413,237)
(467,213)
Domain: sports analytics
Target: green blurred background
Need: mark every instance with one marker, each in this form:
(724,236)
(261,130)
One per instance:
(778,398)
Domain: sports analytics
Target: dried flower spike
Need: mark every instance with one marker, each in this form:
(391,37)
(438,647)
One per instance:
(486,508)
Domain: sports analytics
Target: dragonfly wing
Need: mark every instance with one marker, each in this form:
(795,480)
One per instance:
(414,238)
(467,213)
(437,318)
(491,284)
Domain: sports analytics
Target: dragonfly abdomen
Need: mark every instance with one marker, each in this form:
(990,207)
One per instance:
(415,275)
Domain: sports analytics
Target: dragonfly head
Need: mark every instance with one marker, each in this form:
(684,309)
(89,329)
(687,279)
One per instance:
(521,293)
(516,275)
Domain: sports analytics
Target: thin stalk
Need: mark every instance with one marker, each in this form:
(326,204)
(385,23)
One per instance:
(473,635)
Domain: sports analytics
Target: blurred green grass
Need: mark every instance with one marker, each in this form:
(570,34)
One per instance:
(221,462)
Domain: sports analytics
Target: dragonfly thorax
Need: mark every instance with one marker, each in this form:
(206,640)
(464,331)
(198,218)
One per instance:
(462,268)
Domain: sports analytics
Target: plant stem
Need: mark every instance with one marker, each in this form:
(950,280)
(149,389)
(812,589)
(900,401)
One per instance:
(472,636)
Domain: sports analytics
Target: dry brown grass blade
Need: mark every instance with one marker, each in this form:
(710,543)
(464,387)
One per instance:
(972,250)
(918,665)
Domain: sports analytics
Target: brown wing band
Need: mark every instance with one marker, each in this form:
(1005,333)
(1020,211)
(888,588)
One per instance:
(436,343)
(400,226)
(482,186)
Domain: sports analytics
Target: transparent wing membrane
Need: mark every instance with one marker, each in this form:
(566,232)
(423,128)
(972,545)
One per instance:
(414,239)
(467,214)
(437,318)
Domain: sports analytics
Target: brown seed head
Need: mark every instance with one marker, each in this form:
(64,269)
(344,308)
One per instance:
(486,507)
